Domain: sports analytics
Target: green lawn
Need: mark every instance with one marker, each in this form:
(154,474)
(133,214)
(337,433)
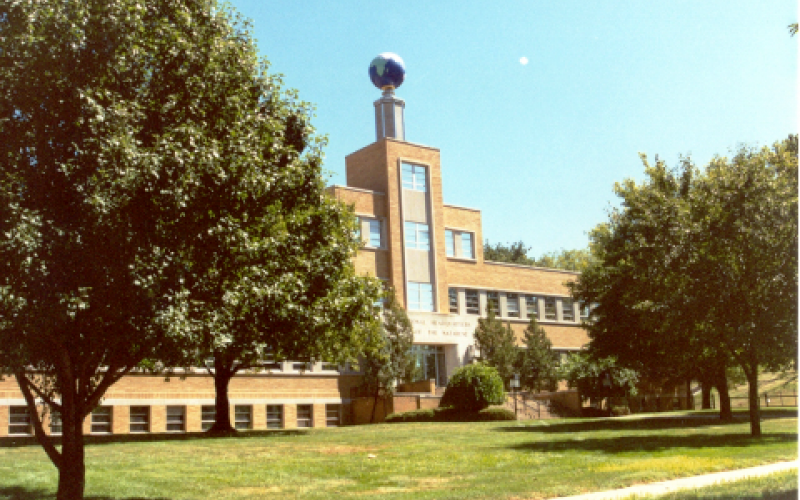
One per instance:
(430,460)
(778,486)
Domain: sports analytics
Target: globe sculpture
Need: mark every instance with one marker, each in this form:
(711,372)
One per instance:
(387,71)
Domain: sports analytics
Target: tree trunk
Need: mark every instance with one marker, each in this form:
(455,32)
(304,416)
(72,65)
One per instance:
(752,393)
(222,378)
(705,390)
(721,383)
(72,470)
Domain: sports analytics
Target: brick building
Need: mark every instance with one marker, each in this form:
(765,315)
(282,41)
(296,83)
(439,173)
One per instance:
(430,252)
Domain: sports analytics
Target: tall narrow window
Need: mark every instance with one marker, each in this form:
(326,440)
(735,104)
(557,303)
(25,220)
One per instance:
(208,417)
(140,419)
(550,309)
(420,296)
(449,243)
(512,305)
(176,418)
(305,416)
(243,417)
(472,302)
(56,425)
(417,236)
(567,310)
(532,306)
(333,415)
(375,234)
(493,303)
(101,420)
(274,416)
(414,177)
(19,420)
(467,250)
(452,295)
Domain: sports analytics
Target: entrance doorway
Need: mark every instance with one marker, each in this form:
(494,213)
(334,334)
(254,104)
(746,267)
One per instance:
(430,363)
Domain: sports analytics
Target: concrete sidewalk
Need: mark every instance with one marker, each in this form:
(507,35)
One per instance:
(686,482)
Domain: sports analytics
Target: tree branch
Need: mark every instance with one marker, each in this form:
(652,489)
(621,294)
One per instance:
(43,439)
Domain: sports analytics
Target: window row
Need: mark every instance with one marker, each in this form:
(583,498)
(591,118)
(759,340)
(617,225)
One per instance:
(141,419)
(458,244)
(515,305)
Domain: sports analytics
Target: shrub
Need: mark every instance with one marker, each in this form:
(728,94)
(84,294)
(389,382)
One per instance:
(452,415)
(473,388)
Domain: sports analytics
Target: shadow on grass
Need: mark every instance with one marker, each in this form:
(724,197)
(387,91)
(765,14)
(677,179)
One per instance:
(653,443)
(22,493)
(637,424)
(91,440)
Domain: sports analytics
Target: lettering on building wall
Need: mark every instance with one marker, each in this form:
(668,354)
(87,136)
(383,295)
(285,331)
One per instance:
(429,325)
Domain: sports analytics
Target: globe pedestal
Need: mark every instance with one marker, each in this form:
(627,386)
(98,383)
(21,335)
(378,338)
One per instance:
(389,119)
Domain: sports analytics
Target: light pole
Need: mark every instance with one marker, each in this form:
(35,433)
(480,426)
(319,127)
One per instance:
(515,386)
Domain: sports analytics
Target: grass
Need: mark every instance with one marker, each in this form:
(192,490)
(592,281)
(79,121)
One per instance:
(778,486)
(417,460)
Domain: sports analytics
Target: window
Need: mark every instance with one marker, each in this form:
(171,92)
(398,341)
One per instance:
(417,236)
(101,420)
(19,420)
(429,361)
(466,246)
(420,296)
(449,243)
(567,310)
(452,295)
(274,416)
(56,425)
(550,308)
(472,302)
(512,305)
(414,177)
(140,419)
(301,367)
(585,310)
(333,415)
(176,418)
(243,417)
(305,414)
(208,417)
(532,306)
(493,303)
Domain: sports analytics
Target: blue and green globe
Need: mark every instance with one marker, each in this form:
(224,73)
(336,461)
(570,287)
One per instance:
(387,70)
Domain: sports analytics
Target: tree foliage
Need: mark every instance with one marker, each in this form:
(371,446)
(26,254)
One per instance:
(599,378)
(474,387)
(517,253)
(158,188)
(392,360)
(698,268)
(497,346)
(536,362)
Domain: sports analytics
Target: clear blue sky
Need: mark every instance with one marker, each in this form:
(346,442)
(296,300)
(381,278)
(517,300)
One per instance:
(538,146)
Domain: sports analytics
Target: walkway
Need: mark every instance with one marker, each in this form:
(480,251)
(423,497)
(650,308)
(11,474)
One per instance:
(665,487)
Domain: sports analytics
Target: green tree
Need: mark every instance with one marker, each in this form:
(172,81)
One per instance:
(517,253)
(598,378)
(146,149)
(514,253)
(536,364)
(497,346)
(698,269)
(569,260)
(392,360)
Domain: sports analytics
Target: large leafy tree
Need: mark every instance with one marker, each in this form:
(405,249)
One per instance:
(698,269)
(145,149)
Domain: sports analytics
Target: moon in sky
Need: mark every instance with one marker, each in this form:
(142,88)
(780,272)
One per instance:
(523,60)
